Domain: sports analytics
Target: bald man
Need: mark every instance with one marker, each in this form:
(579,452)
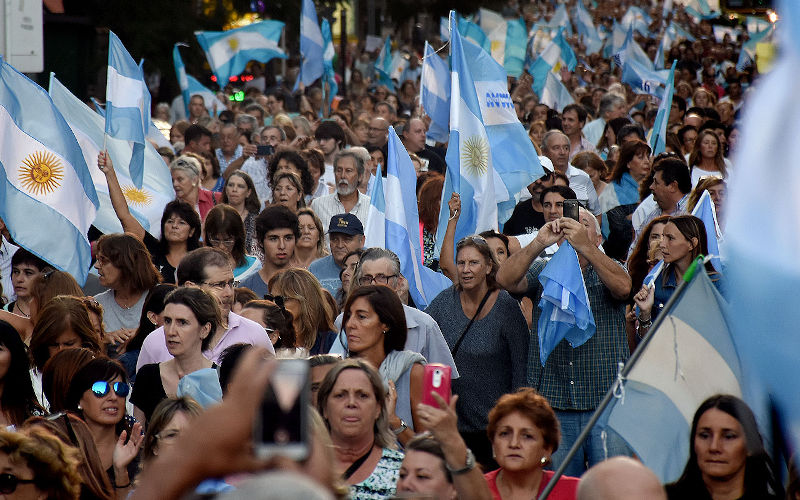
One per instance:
(620,478)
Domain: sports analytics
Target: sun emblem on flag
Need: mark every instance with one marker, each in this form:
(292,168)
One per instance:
(475,155)
(233,43)
(136,196)
(41,172)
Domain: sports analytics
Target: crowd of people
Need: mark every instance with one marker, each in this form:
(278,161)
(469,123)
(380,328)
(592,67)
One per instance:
(146,381)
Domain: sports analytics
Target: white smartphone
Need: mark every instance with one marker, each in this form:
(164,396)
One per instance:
(282,424)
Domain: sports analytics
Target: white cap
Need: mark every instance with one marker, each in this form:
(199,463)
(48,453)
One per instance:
(547,165)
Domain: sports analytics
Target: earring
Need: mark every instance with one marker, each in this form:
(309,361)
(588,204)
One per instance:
(79,407)
(385,332)
(543,460)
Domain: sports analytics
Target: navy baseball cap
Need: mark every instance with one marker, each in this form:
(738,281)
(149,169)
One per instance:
(345,224)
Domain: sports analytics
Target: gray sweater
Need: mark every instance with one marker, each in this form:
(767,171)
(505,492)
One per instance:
(492,357)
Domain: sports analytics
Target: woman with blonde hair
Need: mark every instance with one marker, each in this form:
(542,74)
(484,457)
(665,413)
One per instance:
(311,244)
(313,317)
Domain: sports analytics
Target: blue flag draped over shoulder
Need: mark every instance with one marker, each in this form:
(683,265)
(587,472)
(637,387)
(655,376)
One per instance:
(127,104)
(228,52)
(47,198)
(690,357)
(566,312)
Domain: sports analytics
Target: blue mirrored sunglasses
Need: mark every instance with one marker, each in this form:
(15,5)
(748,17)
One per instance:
(102,388)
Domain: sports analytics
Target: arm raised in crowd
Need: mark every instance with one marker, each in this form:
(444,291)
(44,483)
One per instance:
(511,274)
(128,221)
(248,150)
(447,257)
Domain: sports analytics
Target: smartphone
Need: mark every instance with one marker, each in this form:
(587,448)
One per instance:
(282,424)
(436,378)
(571,209)
(264,150)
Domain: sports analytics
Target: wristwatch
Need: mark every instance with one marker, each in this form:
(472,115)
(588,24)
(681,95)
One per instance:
(400,429)
(468,466)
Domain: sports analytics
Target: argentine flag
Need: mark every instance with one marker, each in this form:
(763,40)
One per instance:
(47,198)
(395,226)
(180,73)
(489,156)
(191,86)
(311,45)
(145,203)
(127,104)
(705,211)
(507,40)
(435,94)
(658,136)
(586,28)
(383,65)
(329,75)
(690,357)
(644,80)
(228,52)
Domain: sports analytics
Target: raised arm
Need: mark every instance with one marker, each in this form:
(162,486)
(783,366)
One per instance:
(511,274)
(129,222)
(447,257)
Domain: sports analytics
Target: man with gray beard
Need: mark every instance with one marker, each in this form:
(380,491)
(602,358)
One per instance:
(348,168)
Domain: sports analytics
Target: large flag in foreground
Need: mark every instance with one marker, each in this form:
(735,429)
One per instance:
(399,229)
(47,198)
(145,203)
(764,279)
(127,103)
(489,156)
(689,358)
(228,52)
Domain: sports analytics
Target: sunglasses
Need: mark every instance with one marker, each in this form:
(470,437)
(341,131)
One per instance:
(9,482)
(102,388)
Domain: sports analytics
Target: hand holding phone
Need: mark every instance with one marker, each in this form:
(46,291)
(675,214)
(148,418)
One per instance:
(572,209)
(436,378)
(281,426)
(264,150)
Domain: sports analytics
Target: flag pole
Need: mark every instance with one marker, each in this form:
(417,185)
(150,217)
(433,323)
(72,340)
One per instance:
(687,278)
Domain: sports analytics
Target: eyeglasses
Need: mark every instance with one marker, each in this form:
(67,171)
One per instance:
(474,239)
(379,279)
(9,482)
(215,242)
(220,285)
(101,388)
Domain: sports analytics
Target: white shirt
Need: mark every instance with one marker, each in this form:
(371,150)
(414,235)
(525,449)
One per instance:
(7,250)
(327,206)
(256,168)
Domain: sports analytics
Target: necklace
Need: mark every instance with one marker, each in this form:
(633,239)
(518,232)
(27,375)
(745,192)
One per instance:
(23,313)
(119,302)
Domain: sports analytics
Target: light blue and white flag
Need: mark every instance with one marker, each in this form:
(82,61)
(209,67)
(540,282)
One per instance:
(586,29)
(311,45)
(127,104)
(328,54)
(516,43)
(677,31)
(400,232)
(489,156)
(762,265)
(747,54)
(706,212)
(435,94)
(566,312)
(664,47)
(567,55)
(631,50)
(228,52)
(145,203)
(47,198)
(554,94)
(180,73)
(654,273)
(560,19)
(383,65)
(644,80)
(474,33)
(637,19)
(658,136)
(688,359)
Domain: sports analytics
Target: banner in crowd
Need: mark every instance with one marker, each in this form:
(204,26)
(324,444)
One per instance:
(47,198)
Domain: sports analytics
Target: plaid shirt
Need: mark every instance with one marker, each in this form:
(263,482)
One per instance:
(578,378)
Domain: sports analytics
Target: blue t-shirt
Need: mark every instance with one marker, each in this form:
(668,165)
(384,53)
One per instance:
(256,284)
(327,272)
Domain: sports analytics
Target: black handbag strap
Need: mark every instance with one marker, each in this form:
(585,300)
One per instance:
(454,350)
(358,463)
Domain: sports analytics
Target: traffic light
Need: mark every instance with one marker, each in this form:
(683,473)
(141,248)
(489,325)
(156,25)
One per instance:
(749,7)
